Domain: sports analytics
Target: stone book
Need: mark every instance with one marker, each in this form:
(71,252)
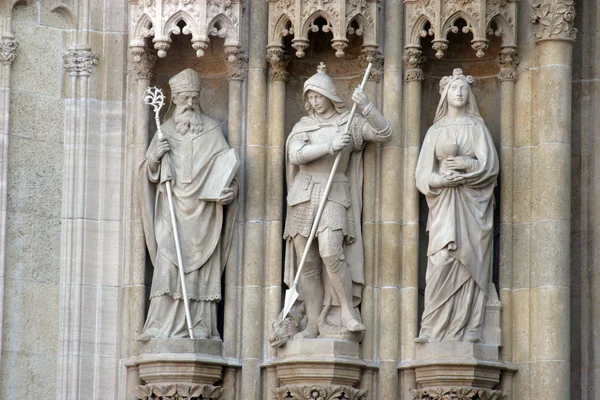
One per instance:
(223,171)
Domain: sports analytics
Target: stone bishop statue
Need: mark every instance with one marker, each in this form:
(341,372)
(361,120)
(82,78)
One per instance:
(193,142)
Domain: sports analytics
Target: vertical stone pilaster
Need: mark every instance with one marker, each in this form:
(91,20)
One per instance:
(237,64)
(390,291)
(254,240)
(278,75)
(78,63)
(8,53)
(508,60)
(413,60)
(551,199)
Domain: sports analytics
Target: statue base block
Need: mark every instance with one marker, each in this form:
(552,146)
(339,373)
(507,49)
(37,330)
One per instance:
(457,364)
(324,368)
(190,367)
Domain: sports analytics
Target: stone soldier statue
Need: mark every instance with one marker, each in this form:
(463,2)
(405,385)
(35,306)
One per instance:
(330,293)
(193,142)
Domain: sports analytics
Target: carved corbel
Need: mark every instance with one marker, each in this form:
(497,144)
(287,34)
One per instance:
(372,54)
(237,66)
(142,61)
(509,61)
(79,62)
(413,60)
(8,50)
(278,63)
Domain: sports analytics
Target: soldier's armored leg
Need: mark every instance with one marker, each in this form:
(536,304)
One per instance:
(310,286)
(332,253)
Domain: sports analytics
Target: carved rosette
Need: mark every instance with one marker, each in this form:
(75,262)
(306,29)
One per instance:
(278,63)
(237,67)
(456,393)
(508,60)
(413,60)
(554,19)
(79,62)
(142,61)
(439,18)
(179,391)
(319,392)
(8,51)
(160,19)
(375,56)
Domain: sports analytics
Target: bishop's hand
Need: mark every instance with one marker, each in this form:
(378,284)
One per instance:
(158,149)
(227,196)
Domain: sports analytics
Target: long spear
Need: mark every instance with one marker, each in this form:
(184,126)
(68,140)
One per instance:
(155,97)
(291,295)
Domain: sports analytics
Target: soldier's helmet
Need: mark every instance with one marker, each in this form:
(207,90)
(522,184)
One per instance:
(321,83)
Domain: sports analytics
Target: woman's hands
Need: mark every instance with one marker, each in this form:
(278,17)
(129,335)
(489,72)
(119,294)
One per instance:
(459,163)
(448,179)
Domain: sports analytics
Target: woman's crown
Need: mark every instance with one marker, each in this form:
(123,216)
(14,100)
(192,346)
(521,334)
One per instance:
(456,74)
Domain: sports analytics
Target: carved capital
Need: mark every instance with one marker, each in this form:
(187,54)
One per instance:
(278,62)
(463,393)
(554,19)
(142,61)
(8,52)
(179,391)
(413,60)
(237,66)
(508,60)
(79,62)
(319,392)
(372,54)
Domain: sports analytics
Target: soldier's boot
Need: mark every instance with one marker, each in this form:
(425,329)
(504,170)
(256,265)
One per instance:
(311,288)
(341,281)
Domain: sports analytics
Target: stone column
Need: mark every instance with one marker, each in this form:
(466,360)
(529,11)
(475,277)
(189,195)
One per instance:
(551,201)
(507,77)
(254,239)
(8,53)
(371,217)
(78,63)
(413,59)
(237,71)
(391,218)
(275,203)
(134,289)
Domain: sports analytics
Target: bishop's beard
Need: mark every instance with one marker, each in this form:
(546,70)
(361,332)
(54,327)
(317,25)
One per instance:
(188,121)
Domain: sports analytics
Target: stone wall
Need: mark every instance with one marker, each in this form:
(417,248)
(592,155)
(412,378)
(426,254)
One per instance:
(75,275)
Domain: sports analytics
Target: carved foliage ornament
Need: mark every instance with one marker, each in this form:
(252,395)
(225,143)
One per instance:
(508,60)
(236,69)
(8,51)
(143,61)
(456,393)
(179,392)
(553,19)
(79,62)
(319,392)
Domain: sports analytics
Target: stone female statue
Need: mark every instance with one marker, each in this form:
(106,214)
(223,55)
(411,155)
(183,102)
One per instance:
(457,171)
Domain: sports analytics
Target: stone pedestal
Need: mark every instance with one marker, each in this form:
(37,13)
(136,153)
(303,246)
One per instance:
(464,370)
(189,368)
(319,369)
